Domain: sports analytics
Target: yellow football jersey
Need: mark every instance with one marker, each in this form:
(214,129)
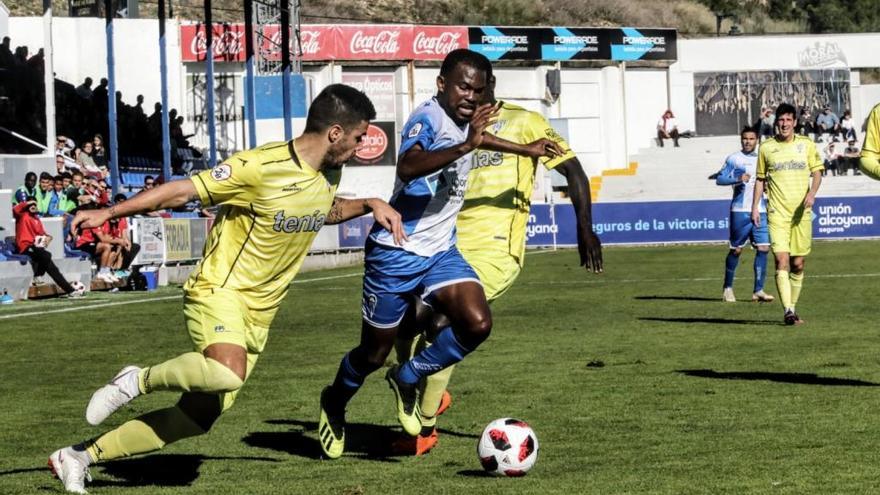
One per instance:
(272,207)
(498,196)
(872,133)
(786,167)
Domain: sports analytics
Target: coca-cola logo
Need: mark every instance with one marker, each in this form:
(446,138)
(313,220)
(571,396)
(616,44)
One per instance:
(435,45)
(373,144)
(227,45)
(309,42)
(381,43)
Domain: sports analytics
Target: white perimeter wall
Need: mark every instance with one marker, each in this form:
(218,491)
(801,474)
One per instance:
(80,51)
(4,20)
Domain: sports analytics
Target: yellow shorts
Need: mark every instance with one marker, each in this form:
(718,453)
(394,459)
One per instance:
(792,235)
(497,270)
(221,316)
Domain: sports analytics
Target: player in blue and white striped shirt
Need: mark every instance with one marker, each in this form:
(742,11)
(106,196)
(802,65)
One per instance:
(739,172)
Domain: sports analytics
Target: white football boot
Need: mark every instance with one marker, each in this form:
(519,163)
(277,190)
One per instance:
(119,392)
(727,295)
(68,466)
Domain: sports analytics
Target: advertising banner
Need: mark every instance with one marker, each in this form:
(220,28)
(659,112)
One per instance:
(150,234)
(198,231)
(561,43)
(177,239)
(82,8)
(378,146)
(504,43)
(228,42)
(434,42)
(643,44)
(691,221)
(379,87)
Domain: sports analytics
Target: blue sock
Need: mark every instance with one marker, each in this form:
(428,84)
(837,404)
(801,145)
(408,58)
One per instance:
(730,269)
(445,351)
(347,382)
(760,270)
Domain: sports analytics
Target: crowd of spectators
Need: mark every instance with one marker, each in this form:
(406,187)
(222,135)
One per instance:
(81,116)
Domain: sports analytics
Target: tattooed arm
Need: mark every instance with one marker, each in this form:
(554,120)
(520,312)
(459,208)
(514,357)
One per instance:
(168,195)
(345,209)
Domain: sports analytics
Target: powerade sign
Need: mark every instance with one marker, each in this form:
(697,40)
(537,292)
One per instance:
(564,43)
(690,221)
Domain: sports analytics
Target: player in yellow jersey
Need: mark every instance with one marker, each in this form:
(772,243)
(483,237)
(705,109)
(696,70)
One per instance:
(869,161)
(491,231)
(790,170)
(273,201)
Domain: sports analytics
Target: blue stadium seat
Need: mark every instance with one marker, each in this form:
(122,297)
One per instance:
(9,251)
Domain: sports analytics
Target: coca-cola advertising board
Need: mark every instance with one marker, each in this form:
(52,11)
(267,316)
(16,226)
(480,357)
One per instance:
(374,42)
(317,42)
(228,43)
(378,146)
(380,89)
(434,42)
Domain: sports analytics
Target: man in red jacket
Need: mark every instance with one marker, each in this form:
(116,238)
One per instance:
(31,239)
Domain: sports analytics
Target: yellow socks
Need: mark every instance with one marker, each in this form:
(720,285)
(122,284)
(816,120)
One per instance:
(796,280)
(190,372)
(435,385)
(147,433)
(783,286)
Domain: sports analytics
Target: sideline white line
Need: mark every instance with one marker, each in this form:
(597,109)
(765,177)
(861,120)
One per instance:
(149,299)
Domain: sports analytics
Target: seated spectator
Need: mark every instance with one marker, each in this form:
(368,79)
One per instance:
(44,193)
(87,163)
(150,183)
(827,123)
(127,251)
(76,190)
(667,128)
(848,127)
(28,189)
(99,154)
(832,158)
(102,247)
(31,239)
(805,123)
(766,123)
(59,203)
(850,157)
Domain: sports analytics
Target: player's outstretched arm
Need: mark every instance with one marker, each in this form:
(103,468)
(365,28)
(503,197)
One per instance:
(417,162)
(589,245)
(346,209)
(169,195)
(535,149)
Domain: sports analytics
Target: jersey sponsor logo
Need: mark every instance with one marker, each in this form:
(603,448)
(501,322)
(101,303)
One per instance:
(221,172)
(305,223)
(416,129)
(789,165)
(219,329)
(294,188)
(497,126)
(486,158)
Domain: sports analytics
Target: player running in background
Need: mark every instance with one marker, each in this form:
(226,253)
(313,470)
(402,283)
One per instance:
(432,170)
(869,161)
(491,229)
(273,200)
(739,172)
(790,169)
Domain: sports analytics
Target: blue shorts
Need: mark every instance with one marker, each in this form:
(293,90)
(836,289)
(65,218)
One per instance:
(392,276)
(742,230)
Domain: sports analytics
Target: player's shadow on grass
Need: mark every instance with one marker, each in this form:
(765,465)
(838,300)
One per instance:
(713,321)
(160,470)
(798,378)
(676,298)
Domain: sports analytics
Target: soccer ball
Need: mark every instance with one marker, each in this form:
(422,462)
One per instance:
(78,288)
(508,447)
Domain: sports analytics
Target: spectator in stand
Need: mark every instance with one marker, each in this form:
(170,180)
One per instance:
(86,162)
(28,189)
(850,157)
(66,180)
(76,191)
(805,123)
(31,239)
(766,122)
(127,251)
(59,203)
(99,154)
(149,183)
(103,249)
(667,128)
(848,127)
(84,90)
(827,123)
(832,157)
(44,193)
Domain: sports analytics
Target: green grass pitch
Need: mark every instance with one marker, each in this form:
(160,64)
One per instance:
(638,380)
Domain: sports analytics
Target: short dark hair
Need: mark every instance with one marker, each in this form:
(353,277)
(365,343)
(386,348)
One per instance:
(746,129)
(339,104)
(45,176)
(30,175)
(148,177)
(785,108)
(58,178)
(119,197)
(467,57)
